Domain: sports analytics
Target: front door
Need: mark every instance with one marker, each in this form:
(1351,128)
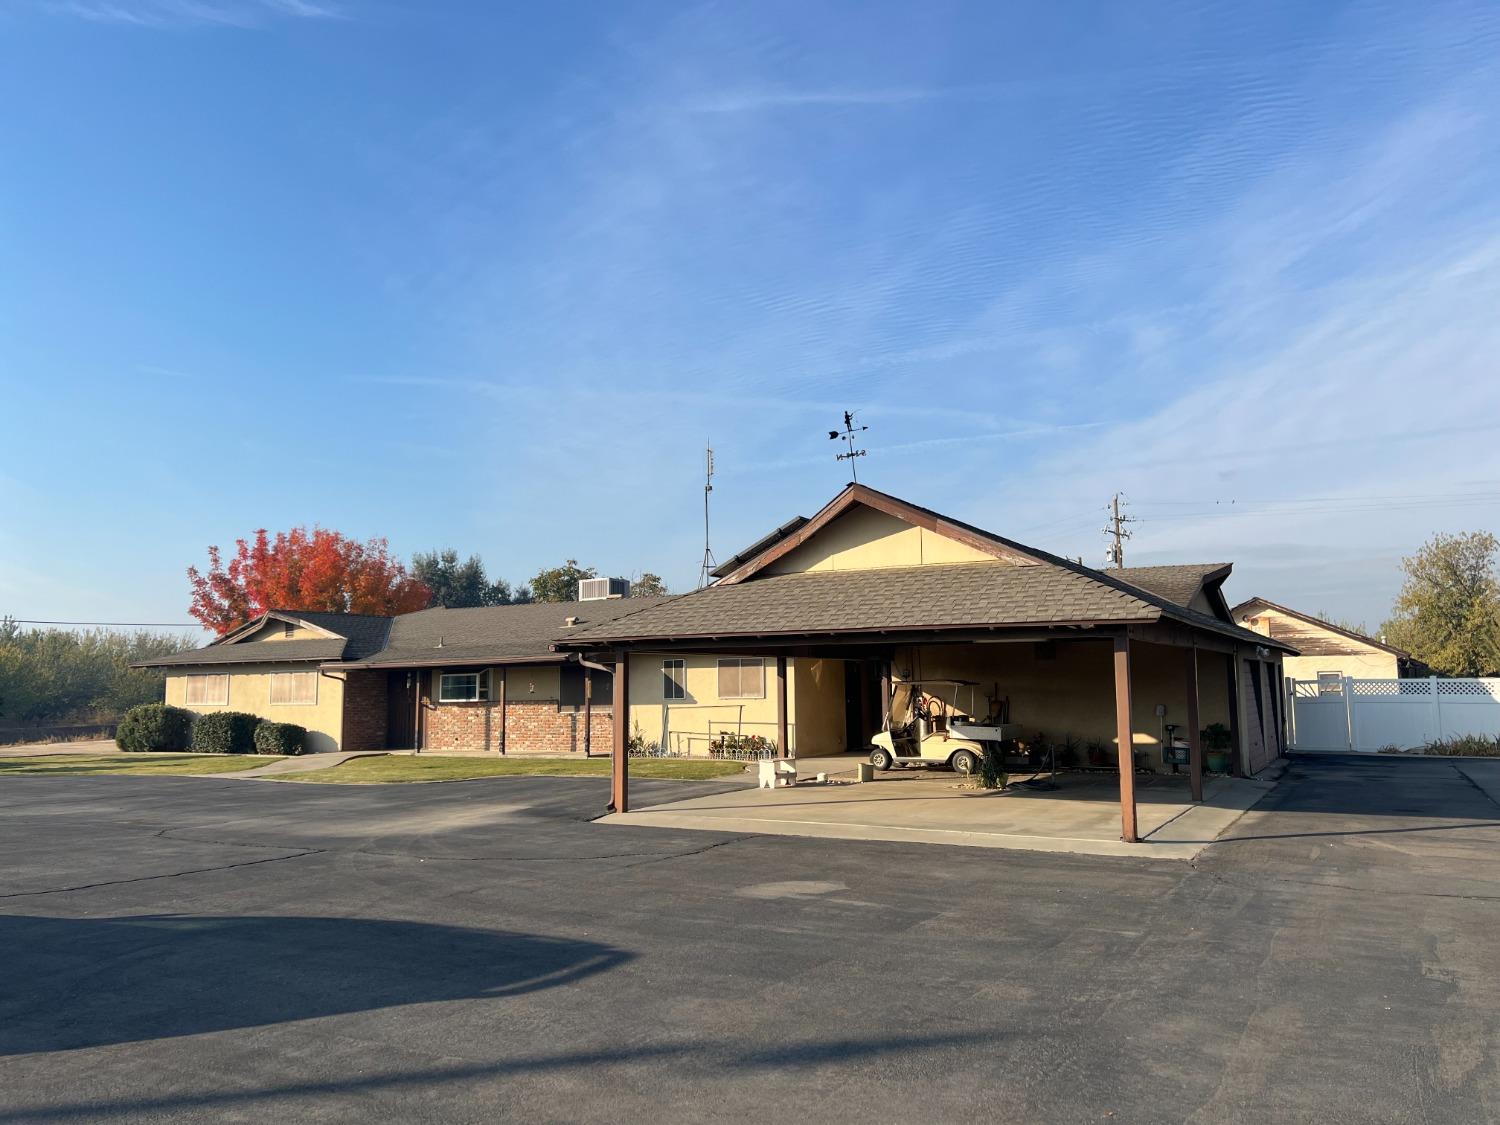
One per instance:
(401,711)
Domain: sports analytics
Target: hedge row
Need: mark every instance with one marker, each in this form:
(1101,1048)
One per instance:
(157,726)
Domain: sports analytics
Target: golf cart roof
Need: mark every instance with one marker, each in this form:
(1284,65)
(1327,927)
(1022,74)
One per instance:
(953,683)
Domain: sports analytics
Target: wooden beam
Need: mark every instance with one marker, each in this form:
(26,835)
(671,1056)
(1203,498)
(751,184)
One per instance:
(620,764)
(1126,740)
(1195,736)
(782,747)
(1235,756)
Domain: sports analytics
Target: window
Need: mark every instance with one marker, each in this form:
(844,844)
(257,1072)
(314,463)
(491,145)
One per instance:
(570,687)
(1330,683)
(674,679)
(294,688)
(463,687)
(207,691)
(742,679)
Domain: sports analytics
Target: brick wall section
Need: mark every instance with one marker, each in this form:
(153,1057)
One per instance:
(364,711)
(531,725)
(461,726)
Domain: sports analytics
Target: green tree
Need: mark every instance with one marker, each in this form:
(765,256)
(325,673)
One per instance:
(458,585)
(1448,612)
(57,675)
(560,583)
(648,585)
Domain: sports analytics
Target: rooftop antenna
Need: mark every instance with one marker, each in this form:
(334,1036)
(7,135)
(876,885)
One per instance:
(705,572)
(847,436)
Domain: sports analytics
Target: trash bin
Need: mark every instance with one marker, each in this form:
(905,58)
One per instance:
(866,771)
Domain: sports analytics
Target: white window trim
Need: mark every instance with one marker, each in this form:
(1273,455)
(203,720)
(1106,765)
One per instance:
(741,662)
(677,681)
(481,686)
(200,677)
(271,689)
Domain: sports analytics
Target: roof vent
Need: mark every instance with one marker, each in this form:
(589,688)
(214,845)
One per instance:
(570,621)
(440,642)
(602,589)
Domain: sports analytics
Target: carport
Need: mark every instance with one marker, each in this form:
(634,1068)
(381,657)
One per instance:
(1071,647)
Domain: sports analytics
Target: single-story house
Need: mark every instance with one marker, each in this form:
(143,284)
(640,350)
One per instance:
(836,610)
(1328,653)
(479,680)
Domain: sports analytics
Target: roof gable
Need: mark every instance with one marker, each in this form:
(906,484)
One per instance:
(864,529)
(1311,635)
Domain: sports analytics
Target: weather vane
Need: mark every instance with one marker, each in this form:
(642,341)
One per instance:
(847,435)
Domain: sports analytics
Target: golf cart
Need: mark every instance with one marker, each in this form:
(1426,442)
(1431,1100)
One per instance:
(928,727)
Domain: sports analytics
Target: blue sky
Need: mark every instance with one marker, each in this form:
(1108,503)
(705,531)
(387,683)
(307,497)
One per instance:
(488,276)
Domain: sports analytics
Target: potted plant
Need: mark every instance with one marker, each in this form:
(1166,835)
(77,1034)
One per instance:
(1099,754)
(1216,744)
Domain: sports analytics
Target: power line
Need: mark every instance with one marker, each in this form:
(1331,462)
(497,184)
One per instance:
(108,624)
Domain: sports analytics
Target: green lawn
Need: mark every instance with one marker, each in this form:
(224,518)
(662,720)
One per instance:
(393,768)
(86,764)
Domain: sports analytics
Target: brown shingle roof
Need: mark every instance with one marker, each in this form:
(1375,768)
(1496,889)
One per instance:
(1036,588)
(1177,583)
(950,596)
(496,633)
(258,652)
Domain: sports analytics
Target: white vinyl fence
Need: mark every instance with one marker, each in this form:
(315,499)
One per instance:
(1368,715)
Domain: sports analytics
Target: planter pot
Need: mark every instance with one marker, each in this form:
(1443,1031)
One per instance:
(1217,761)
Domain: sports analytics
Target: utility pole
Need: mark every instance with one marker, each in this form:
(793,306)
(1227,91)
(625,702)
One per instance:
(1115,552)
(705,572)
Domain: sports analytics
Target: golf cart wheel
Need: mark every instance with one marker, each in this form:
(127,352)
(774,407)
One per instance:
(881,759)
(964,762)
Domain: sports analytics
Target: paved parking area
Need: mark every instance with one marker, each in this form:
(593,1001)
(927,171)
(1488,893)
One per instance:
(189,949)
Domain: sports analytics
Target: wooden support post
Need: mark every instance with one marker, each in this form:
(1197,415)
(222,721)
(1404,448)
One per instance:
(1195,736)
(620,765)
(588,711)
(1235,757)
(1126,739)
(782,748)
(500,691)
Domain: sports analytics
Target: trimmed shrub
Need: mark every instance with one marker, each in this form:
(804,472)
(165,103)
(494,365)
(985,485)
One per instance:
(280,738)
(155,726)
(225,732)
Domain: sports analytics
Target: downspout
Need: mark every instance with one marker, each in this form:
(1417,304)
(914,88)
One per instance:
(588,693)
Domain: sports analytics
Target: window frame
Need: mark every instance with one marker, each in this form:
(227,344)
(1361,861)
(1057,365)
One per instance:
(271,700)
(201,677)
(1330,683)
(481,677)
(673,687)
(742,663)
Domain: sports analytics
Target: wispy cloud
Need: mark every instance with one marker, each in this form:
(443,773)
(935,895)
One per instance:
(188,13)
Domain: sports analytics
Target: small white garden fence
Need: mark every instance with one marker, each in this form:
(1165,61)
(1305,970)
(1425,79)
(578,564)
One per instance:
(1368,715)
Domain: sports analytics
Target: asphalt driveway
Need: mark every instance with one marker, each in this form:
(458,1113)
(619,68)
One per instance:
(184,949)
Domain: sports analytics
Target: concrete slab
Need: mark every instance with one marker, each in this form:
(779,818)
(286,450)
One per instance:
(1081,817)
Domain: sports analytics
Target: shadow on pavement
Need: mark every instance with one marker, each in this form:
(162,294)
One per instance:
(86,982)
(707,1057)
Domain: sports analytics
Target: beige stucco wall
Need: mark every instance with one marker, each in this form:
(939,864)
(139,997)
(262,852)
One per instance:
(274,630)
(1360,666)
(864,539)
(821,718)
(691,722)
(251,692)
(1073,693)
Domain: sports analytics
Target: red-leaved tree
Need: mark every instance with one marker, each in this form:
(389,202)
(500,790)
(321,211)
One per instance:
(301,569)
